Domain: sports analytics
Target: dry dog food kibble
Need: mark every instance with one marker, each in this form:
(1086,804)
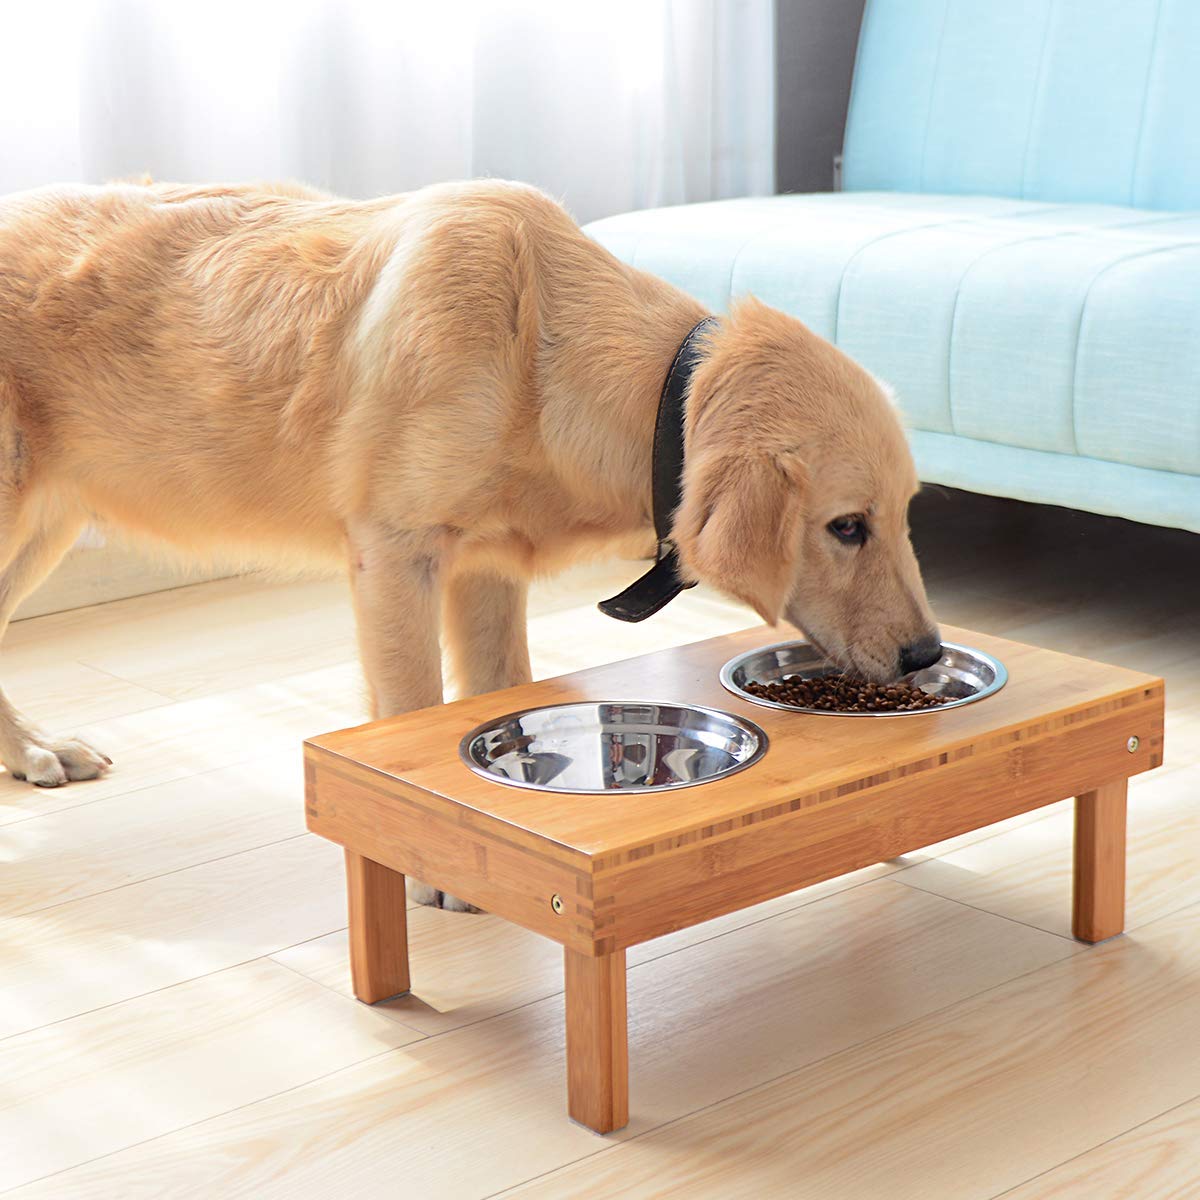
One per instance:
(842,693)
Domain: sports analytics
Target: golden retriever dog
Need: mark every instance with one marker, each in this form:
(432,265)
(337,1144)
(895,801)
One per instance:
(448,391)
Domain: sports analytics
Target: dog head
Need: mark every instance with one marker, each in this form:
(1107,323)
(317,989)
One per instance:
(796,487)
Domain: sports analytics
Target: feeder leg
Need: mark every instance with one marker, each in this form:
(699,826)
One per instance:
(378,929)
(597,1040)
(1099,902)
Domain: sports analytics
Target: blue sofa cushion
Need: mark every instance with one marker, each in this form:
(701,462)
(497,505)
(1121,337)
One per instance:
(1069,100)
(1065,329)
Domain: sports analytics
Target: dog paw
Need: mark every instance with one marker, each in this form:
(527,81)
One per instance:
(422,893)
(57,761)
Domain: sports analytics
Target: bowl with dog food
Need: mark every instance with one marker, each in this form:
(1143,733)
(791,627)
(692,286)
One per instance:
(602,747)
(797,677)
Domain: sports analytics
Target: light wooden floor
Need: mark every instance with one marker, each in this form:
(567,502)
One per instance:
(175,1017)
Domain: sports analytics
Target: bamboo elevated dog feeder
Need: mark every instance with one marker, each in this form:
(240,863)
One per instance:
(600,873)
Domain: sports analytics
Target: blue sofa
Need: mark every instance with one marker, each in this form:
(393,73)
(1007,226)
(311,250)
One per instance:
(1012,249)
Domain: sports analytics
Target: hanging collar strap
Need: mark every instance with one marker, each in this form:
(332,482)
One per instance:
(661,584)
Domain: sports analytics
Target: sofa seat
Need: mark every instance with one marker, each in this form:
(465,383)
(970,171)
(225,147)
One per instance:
(1047,351)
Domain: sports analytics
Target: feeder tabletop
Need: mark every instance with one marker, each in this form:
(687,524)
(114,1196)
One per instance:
(813,759)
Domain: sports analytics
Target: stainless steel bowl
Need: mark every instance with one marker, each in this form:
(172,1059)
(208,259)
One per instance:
(595,748)
(961,673)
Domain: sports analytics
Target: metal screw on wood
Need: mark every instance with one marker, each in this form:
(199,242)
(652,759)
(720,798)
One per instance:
(1133,743)
(556,903)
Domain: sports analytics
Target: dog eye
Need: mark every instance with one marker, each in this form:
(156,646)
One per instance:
(852,529)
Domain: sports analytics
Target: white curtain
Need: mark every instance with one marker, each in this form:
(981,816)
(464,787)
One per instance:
(610,105)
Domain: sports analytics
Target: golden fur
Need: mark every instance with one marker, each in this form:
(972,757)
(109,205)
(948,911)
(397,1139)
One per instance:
(449,390)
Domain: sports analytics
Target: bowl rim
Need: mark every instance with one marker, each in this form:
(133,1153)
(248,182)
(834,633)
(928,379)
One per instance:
(726,677)
(736,719)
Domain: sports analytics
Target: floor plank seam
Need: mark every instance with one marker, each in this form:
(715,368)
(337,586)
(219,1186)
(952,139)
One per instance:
(1161,917)
(1097,1146)
(1044,609)
(191,696)
(145,687)
(773,1080)
(559,991)
(202,1120)
(420,1036)
(607,1148)
(29,912)
(317,937)
(664,955)
(916,887)
(425,1037)
(139,599)
(172,702)
(133,791)
(138,995)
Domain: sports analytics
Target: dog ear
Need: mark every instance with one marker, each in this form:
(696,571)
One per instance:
(738,526)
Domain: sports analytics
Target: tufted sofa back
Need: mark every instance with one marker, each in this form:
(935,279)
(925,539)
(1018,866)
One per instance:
(1080,100)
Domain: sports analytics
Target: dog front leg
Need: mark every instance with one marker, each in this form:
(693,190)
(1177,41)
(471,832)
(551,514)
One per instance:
(395,580)
(484,617)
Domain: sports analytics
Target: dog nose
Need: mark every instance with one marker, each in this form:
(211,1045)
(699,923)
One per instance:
(921,654)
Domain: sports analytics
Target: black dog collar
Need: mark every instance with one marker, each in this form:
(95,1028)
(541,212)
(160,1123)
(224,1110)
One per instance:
(661,584)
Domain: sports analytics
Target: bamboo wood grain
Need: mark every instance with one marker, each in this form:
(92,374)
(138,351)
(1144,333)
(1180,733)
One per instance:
(597,1040)
(723,869)
(812,758)
(600,874)
(830,796)
(378,929)
(1099,879)
(471,856)
(1024,871)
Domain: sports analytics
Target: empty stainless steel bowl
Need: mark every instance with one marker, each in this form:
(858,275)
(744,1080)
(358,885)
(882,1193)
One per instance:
(595,748)
(963,674)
